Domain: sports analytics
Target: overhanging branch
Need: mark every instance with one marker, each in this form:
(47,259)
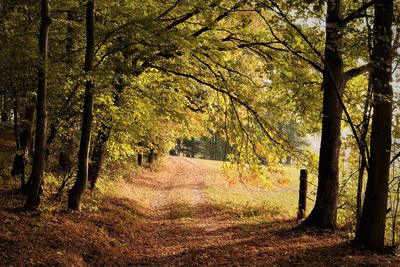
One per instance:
(352,73)
(358,13)
(229,94)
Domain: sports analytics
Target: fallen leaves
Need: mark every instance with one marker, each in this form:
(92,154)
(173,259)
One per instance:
(167,232)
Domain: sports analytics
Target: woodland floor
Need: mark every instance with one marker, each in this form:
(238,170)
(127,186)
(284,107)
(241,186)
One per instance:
(165,218)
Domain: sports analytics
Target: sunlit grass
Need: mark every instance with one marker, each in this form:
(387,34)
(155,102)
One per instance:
(183,201)
(256,204)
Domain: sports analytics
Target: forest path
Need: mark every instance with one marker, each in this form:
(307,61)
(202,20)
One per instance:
(184,228)
(180,219)
(169,217)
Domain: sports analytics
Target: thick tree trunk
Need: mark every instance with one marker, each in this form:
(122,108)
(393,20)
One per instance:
(33,200)
(101,141)
(324,212)
(371,231)
(76,192)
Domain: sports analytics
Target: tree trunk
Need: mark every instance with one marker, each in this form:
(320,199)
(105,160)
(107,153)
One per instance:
(65,156)
(16,111)
(362,163)
(371,232)
(139,159)
(24,136)
(51,138)
(76,192)
(324,212)
(151,157)
(101,140)
(98,153)
(33,200)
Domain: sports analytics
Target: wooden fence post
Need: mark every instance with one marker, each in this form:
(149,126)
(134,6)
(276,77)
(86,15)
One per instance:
(302,194)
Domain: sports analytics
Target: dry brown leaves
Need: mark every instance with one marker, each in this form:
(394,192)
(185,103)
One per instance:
(123,233)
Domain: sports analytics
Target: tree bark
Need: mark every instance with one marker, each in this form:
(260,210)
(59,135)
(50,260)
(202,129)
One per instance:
(101,140)
(139,159)
(371,231)
(363,148)
(98,153)
(24,133)
(324,212)
(33,200)
(76,192)
(151,157)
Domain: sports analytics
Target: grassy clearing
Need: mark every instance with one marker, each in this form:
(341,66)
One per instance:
(250,206)
(255,204)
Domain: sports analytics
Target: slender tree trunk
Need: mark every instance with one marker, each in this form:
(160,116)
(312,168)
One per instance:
(371,232)
(101,140)
(16,135)
(18,167)
(98,153)
(362,163)
(33,200)
(76,192)
(51,137)
(139,159)
(360,185)
(65,156)
(324,212)
(24,135)
(151,157)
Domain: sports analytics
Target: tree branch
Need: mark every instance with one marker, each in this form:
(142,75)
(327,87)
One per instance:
(229,94)
(395,157)
(168,10)
(219,18)
(358,13)
(186,17)
(352,73)
(296,53)
(182,19)
(295,27)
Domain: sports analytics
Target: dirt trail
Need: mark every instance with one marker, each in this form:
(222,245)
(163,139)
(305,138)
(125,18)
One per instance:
(189,231)
(165,218)
(180,218)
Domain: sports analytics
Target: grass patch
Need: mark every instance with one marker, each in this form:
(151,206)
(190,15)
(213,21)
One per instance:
(249,205)
(256,203)
(183,202)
